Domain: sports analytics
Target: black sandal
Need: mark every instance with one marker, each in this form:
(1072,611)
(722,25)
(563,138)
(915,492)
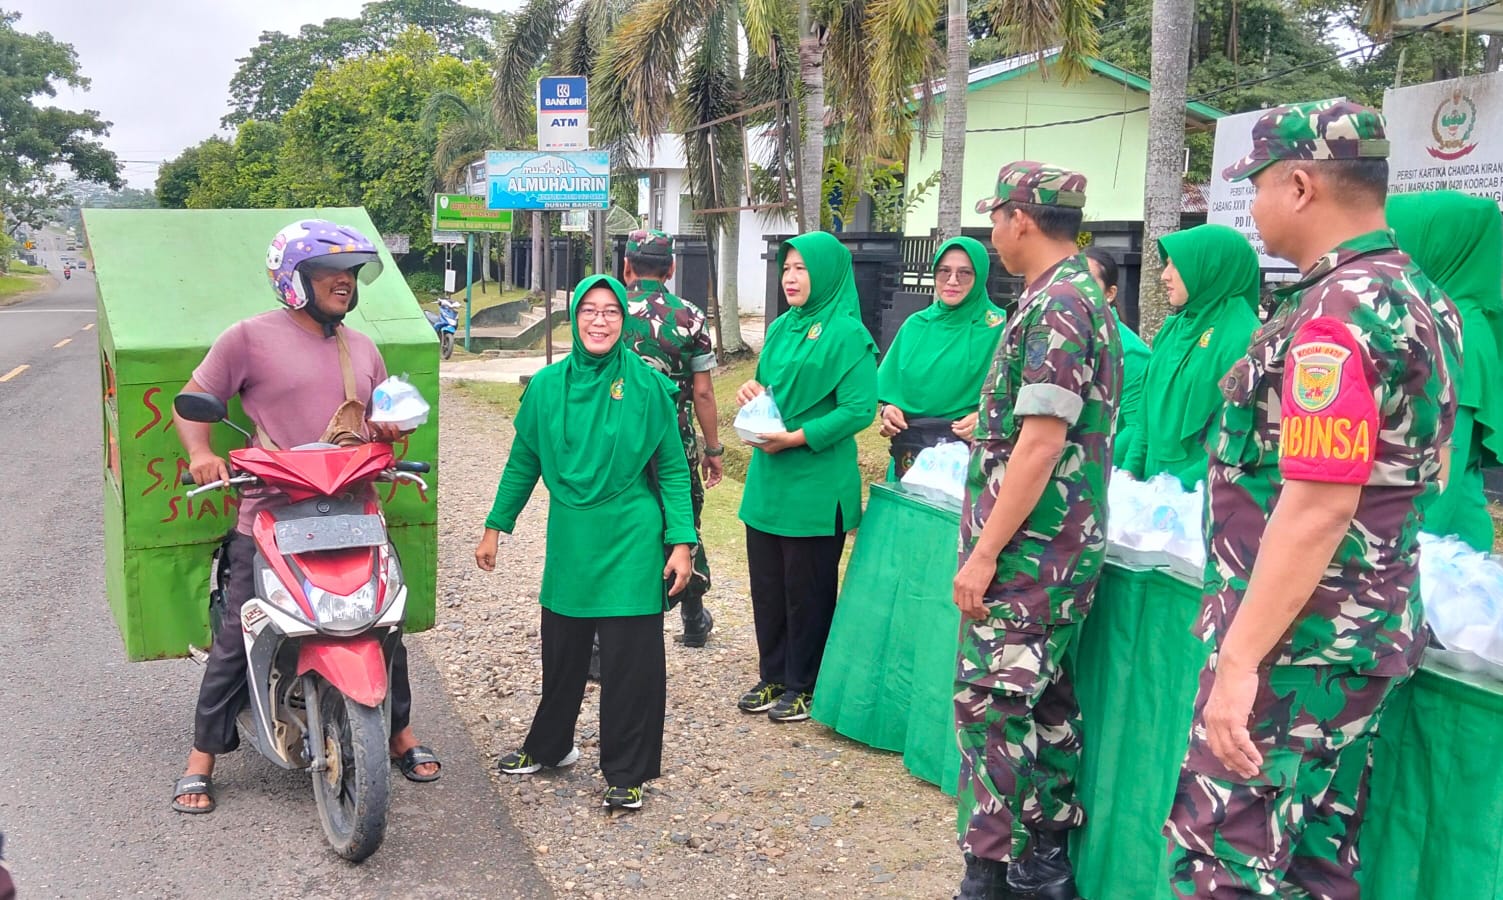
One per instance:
(417,756)
(193,785)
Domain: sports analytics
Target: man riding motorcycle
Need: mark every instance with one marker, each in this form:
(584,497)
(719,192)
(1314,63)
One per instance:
(292,369)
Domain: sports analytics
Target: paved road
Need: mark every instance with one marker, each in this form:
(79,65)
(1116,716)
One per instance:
(90,744)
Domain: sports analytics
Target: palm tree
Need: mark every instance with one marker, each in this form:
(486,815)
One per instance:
(521,44)
(1163,194)
(1029,27)
(676,63)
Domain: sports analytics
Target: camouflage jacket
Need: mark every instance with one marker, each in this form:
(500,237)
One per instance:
(1059,355)
(671,334)
(1346,383)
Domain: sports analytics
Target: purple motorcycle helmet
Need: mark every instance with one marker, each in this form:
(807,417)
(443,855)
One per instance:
(317,243)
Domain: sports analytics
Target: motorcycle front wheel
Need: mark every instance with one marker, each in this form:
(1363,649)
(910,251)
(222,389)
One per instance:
(446,345)
(354,791)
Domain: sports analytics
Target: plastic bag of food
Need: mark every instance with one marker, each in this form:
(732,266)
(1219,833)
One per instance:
(396,402)
(941,468)
(757,418)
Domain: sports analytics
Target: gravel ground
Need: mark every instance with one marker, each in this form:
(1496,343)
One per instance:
(745,808)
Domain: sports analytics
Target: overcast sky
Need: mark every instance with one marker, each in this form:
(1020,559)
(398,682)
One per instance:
(161,68)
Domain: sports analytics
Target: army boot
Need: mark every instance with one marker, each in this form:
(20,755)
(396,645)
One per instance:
(1046,873)
(985,879)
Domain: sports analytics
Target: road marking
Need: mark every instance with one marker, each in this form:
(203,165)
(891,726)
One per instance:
(12,312)
(13,373)
(62,343)
(89,327)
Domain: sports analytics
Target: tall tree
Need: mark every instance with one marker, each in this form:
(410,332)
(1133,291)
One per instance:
(35,139)
(281,67)
(952,144)
(1163,191)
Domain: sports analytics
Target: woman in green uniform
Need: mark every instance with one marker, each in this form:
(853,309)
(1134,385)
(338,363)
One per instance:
(1134,358)
(803,488)
(930,380)
(1457,241)
(1212,276)
(601,431)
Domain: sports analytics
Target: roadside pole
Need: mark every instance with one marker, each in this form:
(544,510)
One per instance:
(469,280)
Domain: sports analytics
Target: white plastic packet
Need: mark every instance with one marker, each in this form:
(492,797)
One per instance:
(396,402)
(941,468)
(757,418)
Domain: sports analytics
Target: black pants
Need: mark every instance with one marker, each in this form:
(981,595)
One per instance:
(794,581)
(224,692)
(633,693)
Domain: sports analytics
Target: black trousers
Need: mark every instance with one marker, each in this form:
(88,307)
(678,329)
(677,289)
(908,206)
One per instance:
(633,693)
(794,581)
(224,692)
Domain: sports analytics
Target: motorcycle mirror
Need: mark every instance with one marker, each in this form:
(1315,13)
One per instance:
(197,407)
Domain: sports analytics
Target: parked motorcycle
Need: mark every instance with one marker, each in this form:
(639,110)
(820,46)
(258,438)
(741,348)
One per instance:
(445,322)
(321,628)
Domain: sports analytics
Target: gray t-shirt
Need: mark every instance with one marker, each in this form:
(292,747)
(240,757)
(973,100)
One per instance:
(289,381)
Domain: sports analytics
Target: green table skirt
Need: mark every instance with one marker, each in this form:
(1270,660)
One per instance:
(1435,823)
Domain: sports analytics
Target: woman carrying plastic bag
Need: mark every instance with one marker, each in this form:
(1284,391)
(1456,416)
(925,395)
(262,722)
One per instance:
(929,383)
(803,487)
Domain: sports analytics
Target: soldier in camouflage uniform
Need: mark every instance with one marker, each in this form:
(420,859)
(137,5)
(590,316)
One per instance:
(671,334)
(1032,544)
(1331,430)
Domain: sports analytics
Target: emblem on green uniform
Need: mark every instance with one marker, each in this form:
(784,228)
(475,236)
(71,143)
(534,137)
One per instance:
(618,389)
(1205,339)
(815,331)
(993,319)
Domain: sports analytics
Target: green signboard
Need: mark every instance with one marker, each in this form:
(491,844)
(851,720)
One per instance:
(154,329)
(466,212)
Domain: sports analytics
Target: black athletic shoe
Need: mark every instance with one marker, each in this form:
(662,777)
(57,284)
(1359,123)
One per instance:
(760,698)
(623,797)
(793,707)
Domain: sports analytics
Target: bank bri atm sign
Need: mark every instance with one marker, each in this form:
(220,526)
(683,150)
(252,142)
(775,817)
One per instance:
(563,113)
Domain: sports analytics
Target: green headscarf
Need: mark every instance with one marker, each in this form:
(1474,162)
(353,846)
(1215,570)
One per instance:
(810,348)
(1457,241)
(595,420)
(1181,389)
(940,356)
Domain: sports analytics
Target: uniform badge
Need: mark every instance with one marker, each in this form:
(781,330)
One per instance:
(1036,351)
(1205,339)
(618,389)
(993,319)
(815,331)
(1317,374)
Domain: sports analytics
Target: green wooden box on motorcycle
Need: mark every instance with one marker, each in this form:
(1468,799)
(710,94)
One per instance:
(170,282)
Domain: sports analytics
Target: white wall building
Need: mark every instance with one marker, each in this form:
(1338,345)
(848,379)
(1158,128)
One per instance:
(663,196)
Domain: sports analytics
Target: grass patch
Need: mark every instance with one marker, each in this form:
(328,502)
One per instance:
(506,396)
(20,268)
(479,301)
(12,285)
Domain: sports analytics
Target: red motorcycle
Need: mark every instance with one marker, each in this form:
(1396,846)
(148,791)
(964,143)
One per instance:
(326,616)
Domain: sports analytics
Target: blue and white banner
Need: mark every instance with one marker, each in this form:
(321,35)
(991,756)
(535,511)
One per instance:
(523,179)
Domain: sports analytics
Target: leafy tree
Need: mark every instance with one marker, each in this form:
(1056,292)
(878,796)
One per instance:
(35,139)
(177,178)
(281,67)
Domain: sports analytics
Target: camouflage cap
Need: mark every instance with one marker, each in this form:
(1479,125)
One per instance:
(649,243)
(1329,129)
(1037,183)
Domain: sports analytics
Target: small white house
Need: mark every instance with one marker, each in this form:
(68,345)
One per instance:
(663,195)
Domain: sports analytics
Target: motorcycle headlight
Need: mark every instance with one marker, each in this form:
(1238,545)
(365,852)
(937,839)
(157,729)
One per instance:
(344,611)
(275,593)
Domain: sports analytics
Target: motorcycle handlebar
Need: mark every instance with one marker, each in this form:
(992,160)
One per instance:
(410,465)
(187,479)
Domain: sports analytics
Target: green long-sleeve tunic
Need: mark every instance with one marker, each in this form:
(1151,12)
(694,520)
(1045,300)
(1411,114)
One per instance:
(604,560)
